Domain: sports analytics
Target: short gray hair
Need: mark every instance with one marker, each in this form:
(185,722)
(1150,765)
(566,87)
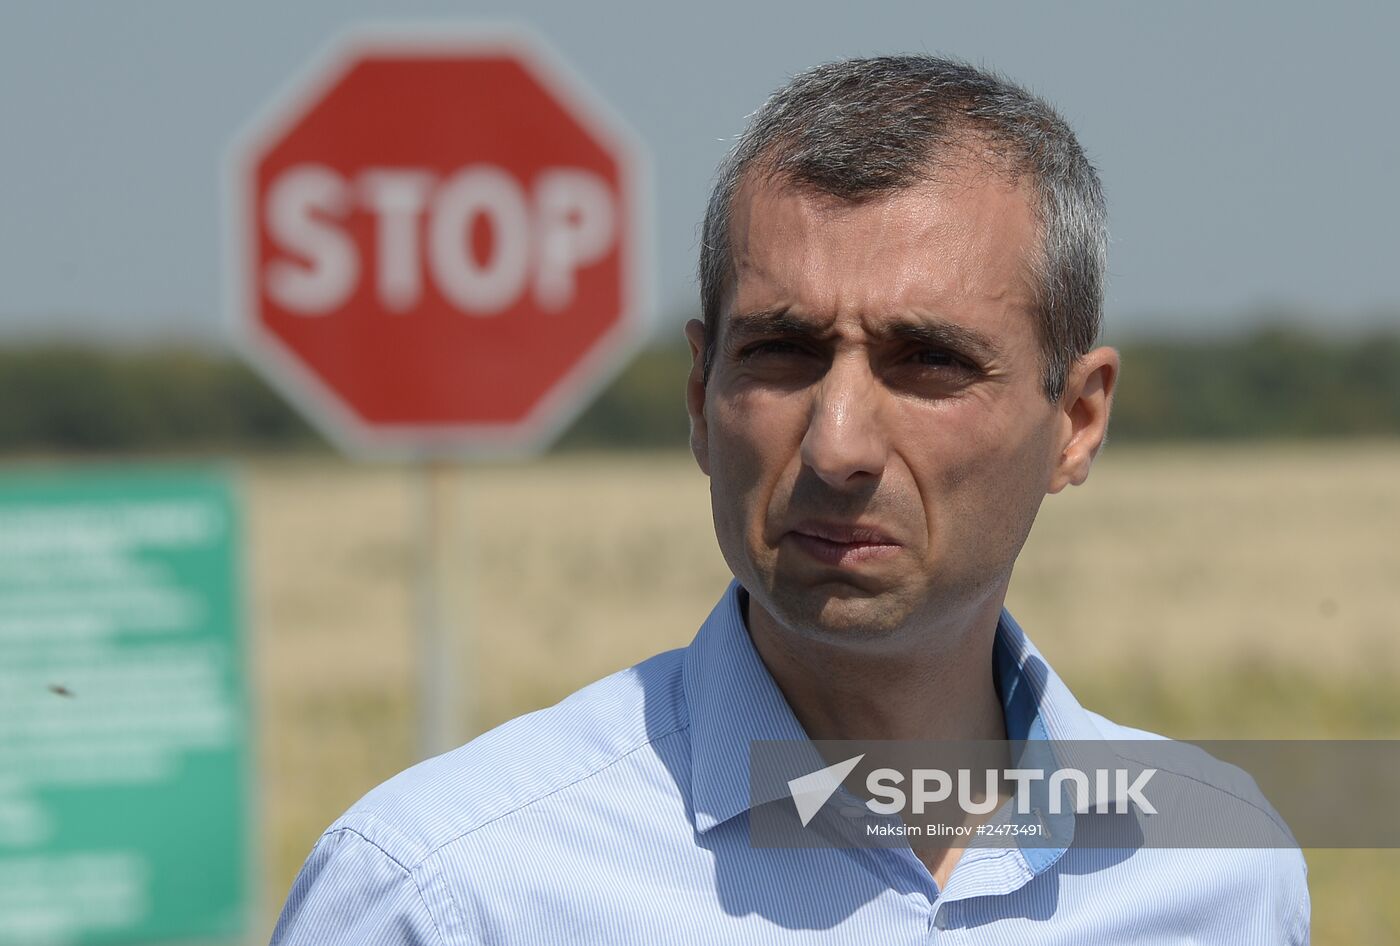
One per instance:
(863,127)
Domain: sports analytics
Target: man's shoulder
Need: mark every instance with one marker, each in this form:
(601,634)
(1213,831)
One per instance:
(522,761)
(1268,861)
(1193,768)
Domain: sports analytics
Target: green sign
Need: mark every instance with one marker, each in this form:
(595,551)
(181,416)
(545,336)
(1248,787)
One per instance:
(124,748)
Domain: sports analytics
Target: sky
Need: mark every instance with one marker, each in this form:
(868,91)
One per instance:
(1249,151)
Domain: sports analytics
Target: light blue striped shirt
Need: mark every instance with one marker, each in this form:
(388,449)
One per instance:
(620,816)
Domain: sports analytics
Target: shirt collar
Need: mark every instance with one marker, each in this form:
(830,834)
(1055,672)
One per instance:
(733,701)
(1039,707)
(1035,701)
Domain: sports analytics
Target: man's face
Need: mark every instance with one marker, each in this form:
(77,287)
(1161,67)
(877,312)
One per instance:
(874,428)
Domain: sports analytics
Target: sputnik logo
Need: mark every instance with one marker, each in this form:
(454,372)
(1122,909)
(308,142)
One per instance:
(812,790)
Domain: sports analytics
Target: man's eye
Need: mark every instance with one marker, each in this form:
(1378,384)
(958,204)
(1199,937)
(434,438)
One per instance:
(937,358)
(771,347)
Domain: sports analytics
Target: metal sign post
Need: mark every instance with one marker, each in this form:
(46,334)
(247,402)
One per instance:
(440,689)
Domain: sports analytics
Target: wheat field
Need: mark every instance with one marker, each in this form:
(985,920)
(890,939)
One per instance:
(1203,592)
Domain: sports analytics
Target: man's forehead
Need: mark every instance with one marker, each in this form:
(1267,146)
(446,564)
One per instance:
(761,190)
(962,239)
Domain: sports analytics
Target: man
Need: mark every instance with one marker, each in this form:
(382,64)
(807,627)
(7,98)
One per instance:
(901,283)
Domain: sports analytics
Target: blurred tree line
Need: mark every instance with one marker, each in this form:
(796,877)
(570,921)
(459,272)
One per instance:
(1271,384)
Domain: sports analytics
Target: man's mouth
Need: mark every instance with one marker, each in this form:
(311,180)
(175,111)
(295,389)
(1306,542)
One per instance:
(834,543)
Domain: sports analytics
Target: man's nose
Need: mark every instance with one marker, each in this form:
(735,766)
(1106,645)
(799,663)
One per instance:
(844,439)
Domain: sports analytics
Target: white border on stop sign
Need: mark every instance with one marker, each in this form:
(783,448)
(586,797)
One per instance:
(312,397)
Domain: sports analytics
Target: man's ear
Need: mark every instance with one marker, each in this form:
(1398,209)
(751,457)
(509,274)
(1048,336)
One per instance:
(695,395)
(1083,416)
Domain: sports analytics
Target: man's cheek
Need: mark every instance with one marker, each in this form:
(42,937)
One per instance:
(736,501)
(742,460)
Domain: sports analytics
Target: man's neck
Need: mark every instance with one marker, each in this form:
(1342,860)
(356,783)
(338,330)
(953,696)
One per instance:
(941,687)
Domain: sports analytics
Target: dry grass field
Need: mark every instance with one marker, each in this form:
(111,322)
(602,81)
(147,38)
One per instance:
(1204,592)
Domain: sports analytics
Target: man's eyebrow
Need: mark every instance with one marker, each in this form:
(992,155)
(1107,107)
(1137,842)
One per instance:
(769,322)
(939,333)
(935,333)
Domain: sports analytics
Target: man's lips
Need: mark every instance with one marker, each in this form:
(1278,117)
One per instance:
(835,543)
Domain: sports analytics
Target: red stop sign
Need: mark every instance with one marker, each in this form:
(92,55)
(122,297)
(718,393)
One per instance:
(438,244)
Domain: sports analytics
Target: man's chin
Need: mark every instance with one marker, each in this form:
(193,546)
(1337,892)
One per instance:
(839,612)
